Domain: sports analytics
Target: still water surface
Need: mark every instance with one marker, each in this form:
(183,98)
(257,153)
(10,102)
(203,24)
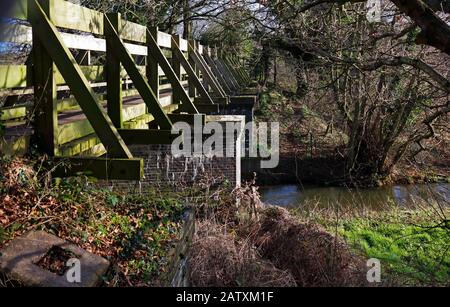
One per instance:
(376,198)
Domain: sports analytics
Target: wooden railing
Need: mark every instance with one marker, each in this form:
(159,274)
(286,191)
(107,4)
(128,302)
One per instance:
(87,62)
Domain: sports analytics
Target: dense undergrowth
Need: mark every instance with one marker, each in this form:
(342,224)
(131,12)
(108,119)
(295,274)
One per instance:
(248,244)
(238,241)
(134,232)
(311,131)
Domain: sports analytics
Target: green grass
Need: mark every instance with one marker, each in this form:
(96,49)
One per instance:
(412,252)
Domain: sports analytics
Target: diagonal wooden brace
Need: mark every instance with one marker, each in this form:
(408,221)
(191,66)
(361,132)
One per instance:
(206,72)
(191,73)
(77,82)
(139,81)
(158,55)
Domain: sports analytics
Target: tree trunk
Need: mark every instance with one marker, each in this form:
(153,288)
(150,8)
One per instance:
(302,83)
(187,22)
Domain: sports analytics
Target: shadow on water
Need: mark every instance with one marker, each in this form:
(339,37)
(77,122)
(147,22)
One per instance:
(292,196)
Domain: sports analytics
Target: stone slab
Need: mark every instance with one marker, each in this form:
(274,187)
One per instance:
(18,260)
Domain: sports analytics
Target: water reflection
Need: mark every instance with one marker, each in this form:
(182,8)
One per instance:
(376,198)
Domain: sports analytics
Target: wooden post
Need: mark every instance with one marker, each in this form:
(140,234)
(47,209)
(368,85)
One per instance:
(176,66)
(45,92)
(152,63)
(192,88)
(207,51)
(113,74)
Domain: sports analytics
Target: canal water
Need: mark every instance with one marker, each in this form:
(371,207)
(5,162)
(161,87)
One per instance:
(292,196)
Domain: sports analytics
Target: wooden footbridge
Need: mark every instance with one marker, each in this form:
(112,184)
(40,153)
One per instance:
(95,84)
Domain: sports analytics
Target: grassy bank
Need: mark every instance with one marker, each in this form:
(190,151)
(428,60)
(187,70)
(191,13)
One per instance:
(413,246)
(134,232)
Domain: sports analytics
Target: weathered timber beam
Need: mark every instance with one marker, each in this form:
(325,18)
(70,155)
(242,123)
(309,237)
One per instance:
(208,108)
(228,75)
(239,69)
(100,168)
(207,74)
(139,81)
(113,73)
(188,118)
(191,73)
(70,70)
(217,73)
(217,100)
(233,72)
(157,54)
(147,137)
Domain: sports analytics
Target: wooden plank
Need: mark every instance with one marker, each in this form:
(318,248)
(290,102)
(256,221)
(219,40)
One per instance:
(13,113)
(192,87)
(157,55)
(147,137)
(217,73)
(72,16)
(77,129)
(178,54)
(202,60)
(235,73)
(187,118)
(206,72)
(87,42)
(21,34)
(91,73)
(113,73)
(13,76)
(95,74)
(73,134)
(176,66)
(239,70)
(133,32)
(101,168)
(52,41)
(217,100)
(164,40)
(139,81)
(183,45)
(227,76)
